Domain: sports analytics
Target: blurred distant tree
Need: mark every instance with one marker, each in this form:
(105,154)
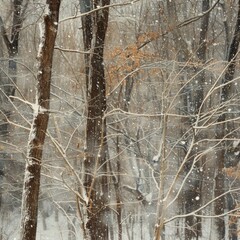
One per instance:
(8,79)
(224,129)
(12,42)
(194,193)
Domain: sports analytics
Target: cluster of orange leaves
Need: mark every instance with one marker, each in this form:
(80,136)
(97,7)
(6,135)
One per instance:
(233,172)
(233,218)
(149,36)
(124,60)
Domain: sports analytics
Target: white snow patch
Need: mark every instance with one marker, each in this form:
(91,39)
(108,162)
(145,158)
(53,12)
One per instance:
(156,158)
(236,153)
(42,39)
(235,143)
(55,229)
(148,197)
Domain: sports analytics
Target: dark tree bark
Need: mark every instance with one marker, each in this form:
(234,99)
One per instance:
(39,124)
(12,43)
(192,97)
(182,56)
(222,130)
(87,29)
(117,186)
(96,181)
(2,133)
(201,55)
(193,195)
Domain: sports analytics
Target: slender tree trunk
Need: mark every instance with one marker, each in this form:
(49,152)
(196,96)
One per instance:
(96,180)
(222,130)
(12,43)
(39,124)
(193,196)
(87,30)
(182,56)
(2,124)
(8,81)
(117,185)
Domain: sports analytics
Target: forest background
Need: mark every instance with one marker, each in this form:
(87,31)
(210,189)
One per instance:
(119,119)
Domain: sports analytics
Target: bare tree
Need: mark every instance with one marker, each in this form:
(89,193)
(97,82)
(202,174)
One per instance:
(194,193)
(224,129)
(148,118)
(87,30)
(40,123)
(8,78)
(12,42)
(96,180)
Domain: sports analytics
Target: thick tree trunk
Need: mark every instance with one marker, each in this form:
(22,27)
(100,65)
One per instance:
(39,125)
(96,180)
(222,130)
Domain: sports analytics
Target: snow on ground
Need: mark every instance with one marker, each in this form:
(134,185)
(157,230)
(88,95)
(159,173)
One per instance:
(55,229)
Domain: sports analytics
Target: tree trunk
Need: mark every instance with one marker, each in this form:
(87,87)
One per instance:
(39,124)
(87,30)
(96,181)
(12,43)
(193,196)
(8,81)
(222,130)
(2,125)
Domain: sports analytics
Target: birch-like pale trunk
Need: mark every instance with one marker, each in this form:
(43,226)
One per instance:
(39,123)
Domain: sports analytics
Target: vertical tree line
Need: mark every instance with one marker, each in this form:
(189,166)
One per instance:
(39,125)
(95,163)
(192,127)
(224,130)
(8,79)
(193,196)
